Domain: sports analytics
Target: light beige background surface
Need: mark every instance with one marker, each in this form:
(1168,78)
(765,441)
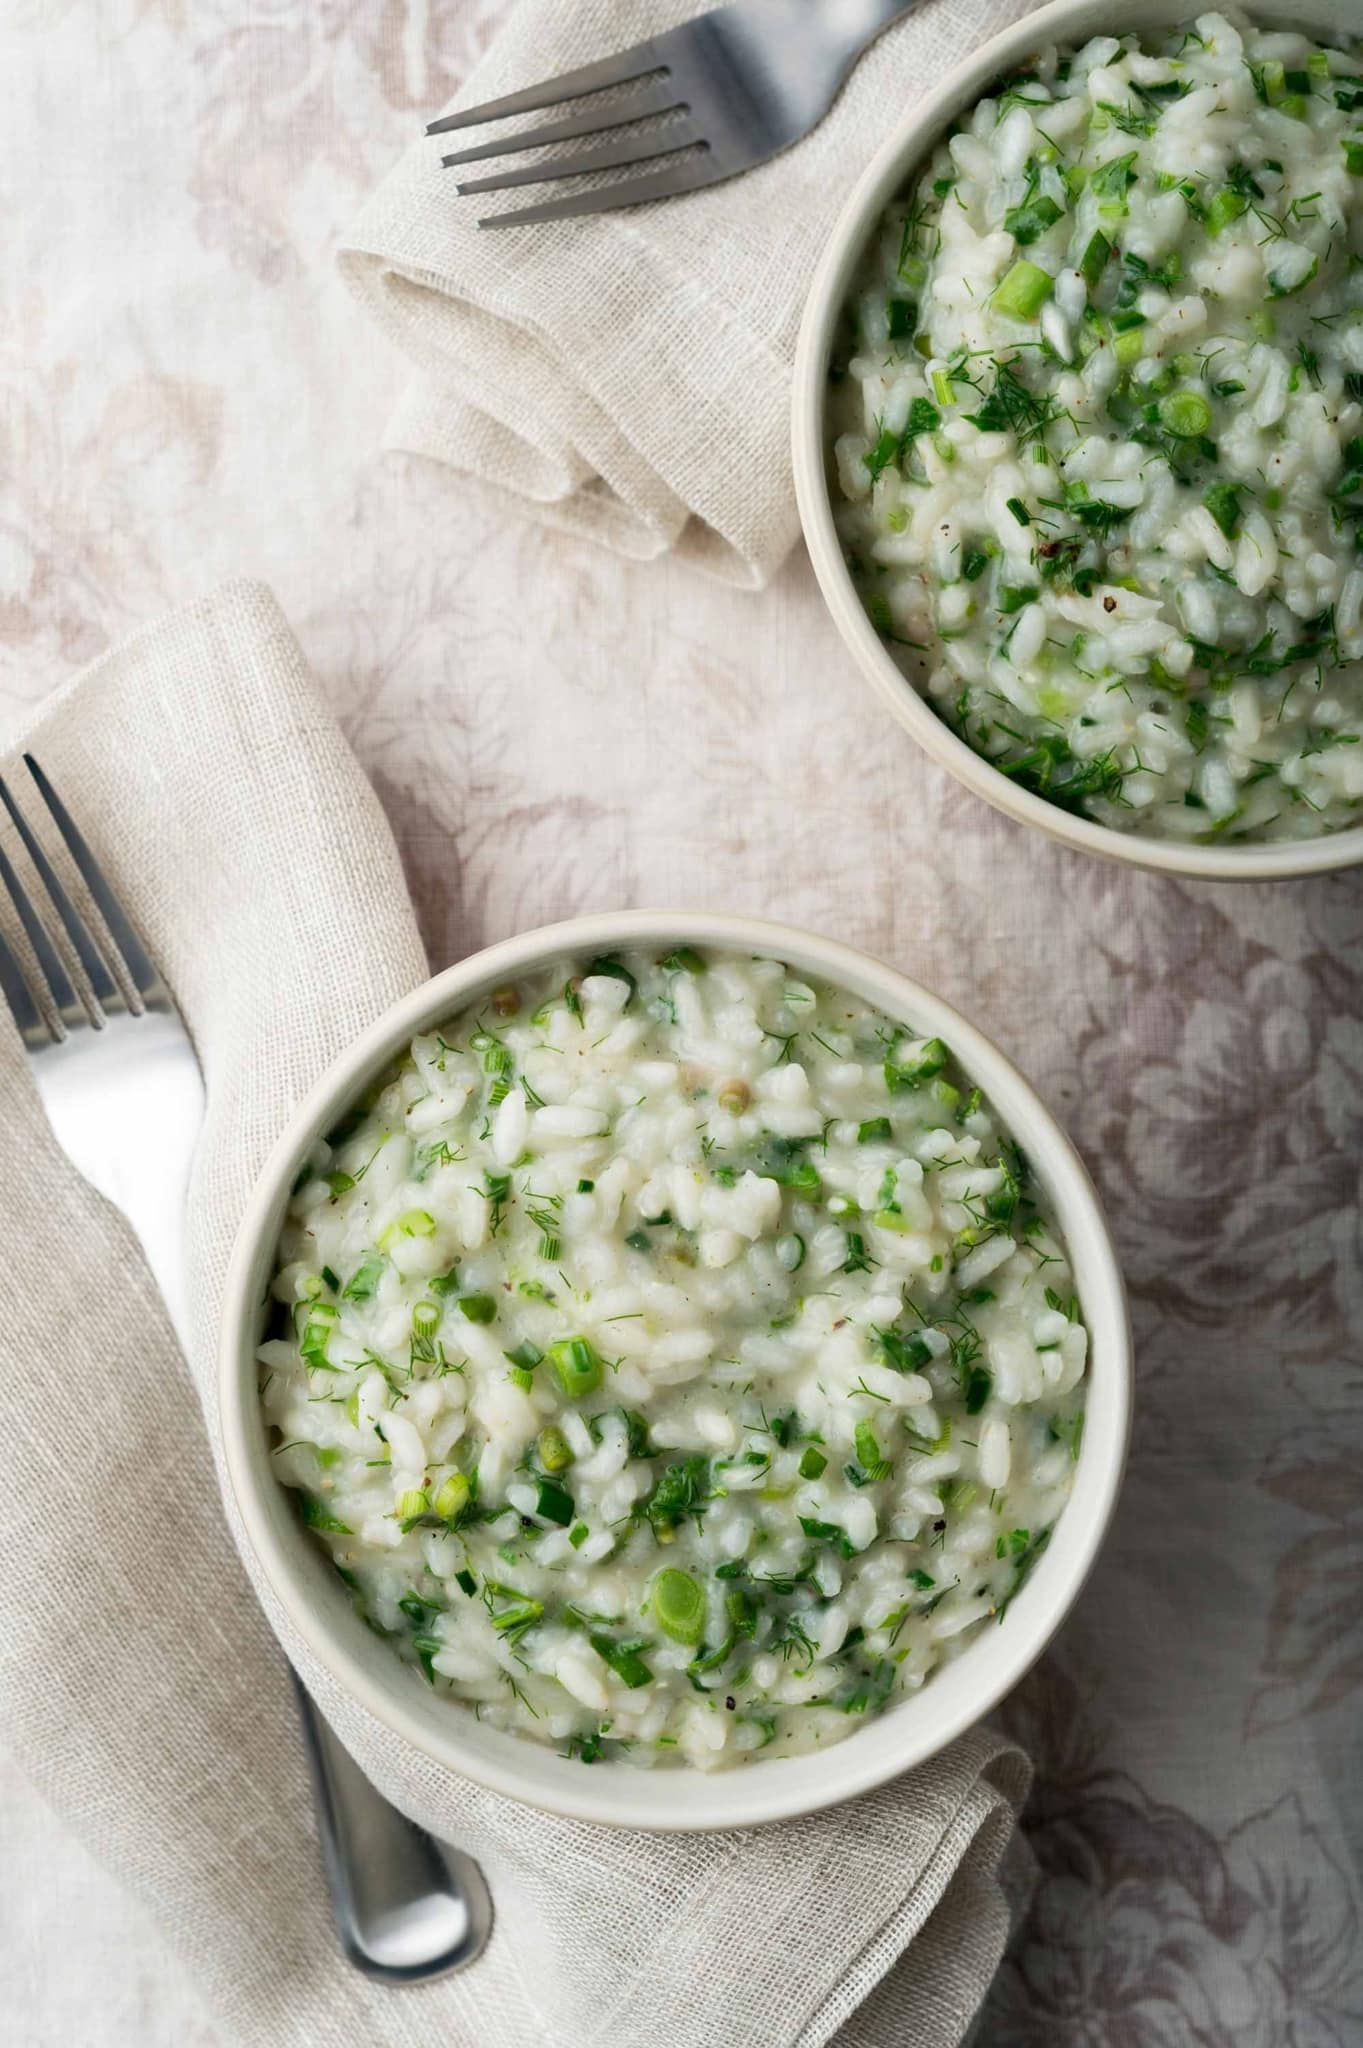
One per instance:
(185,393)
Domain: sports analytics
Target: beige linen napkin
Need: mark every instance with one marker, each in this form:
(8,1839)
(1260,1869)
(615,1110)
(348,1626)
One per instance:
(140,1686)
(628,375)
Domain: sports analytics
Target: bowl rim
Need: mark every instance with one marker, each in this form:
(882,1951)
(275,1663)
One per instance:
(899,157)
(619,1793)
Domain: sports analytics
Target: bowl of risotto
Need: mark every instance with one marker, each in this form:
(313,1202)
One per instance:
(674,1371)
(1078,429)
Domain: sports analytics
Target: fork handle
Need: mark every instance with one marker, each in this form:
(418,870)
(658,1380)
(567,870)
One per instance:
(406,1908)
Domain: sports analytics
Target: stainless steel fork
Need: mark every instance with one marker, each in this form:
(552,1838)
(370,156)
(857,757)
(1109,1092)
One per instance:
(721,94)
(120,1083)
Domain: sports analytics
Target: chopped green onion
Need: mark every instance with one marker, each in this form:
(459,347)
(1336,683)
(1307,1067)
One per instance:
(1019,511)
(445,1283)
(412,1223)
(979,1382)
(679,1606)
(867,1446)
(623,1660)
(1225,206)
(317,1332)
(1023,290)
(906,1068)
(1353,157)
(553,1504)
(813,1463)
(1028,222)
(478,1308)
(466,1583)
(365,1279)
(525,1356)
(318,1516)
(1185,414)
(553,1450)
(578,1365)
(426,1319)
(1129,346)
(943,389)
(901,316)
(686,958)
(453,1497)
(1223,502)
(873,1130)
(412,1505)
(1094,260)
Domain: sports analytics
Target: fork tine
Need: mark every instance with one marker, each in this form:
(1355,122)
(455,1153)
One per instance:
(692,176)
(64,997)
(87,952)
(621,69)
(34,1028)
(631,149)
(655,99)
(144,976)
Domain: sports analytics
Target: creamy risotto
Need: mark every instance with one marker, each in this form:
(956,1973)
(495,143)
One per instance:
(1099,418)
(676,1358)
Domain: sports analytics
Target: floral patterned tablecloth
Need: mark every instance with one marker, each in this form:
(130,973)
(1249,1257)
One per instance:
(186,393)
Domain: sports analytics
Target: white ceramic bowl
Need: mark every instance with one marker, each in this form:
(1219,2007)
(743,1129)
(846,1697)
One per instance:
(316,1603)
(893,168)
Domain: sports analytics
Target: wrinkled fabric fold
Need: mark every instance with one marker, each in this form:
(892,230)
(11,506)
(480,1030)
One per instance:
(626,376)
(141,1689)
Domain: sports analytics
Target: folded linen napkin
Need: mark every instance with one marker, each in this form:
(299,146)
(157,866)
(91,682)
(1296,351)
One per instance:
(140,1687)
(628,375)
